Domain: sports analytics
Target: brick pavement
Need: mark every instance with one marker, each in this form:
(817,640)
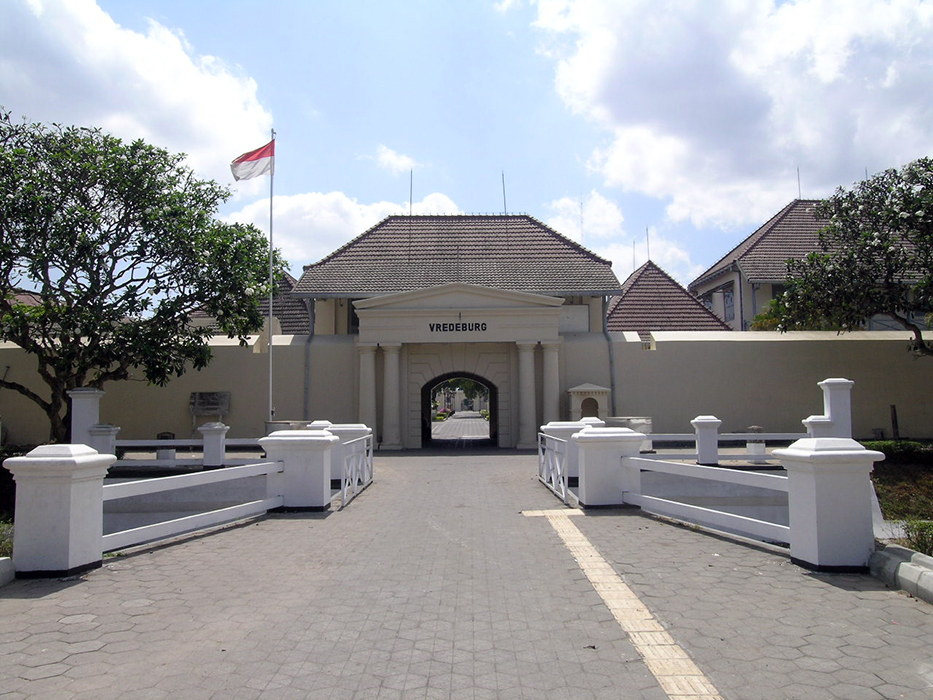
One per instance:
(432,584)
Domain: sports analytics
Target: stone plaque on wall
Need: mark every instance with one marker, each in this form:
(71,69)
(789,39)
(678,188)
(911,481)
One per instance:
(209,403)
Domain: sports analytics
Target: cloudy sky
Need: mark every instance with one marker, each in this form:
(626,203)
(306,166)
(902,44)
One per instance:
(681,123)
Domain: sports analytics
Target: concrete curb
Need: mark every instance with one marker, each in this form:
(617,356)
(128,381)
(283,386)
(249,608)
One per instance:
(904,569)
(7,573)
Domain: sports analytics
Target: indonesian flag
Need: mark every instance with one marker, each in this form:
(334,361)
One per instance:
(254,163)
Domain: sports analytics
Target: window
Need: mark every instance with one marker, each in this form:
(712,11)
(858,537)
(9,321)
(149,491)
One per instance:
(728,304)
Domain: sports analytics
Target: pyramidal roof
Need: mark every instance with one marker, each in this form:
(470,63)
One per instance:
(652,300)
(791,233)
(504,251)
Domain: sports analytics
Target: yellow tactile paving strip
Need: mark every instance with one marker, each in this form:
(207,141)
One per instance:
(678,676)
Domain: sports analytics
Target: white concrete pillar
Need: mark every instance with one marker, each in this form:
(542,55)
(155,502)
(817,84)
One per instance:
(551,398)
(391,431)
(601,451)
(345,432)
(837,405)
(593,422)
(215,444)
(830,502)
(104,438)
(564,430)
(58,522)
(305,482)
(527,404)
(367,411)
(707,432)
(85,412)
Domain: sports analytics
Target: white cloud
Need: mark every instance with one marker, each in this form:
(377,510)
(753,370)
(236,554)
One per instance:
(598,225)
(713,106)
(68,61)
(307,227)
(396,163)
(506,5)
(592,217)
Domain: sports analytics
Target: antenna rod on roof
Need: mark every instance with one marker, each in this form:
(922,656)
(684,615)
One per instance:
(505,209)
(799,195)
(647,243)
(411,188)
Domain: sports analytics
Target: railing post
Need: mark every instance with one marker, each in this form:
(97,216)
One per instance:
(215,444)
(600,451)
(345,432)
(836,420)
(564,430)
(756,446)
(104,438)
(707,437)
(306,454)
(85,412)
(59,512)
(829,498)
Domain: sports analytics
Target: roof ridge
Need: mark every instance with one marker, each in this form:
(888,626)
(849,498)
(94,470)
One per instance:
(745,244)
(579,246)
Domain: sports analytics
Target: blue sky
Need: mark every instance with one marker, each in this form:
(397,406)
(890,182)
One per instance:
(608,117)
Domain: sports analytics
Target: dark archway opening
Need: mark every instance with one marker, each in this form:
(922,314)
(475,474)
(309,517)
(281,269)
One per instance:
(474,421)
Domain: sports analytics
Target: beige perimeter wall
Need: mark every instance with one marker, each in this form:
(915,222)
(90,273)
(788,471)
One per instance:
(744,379)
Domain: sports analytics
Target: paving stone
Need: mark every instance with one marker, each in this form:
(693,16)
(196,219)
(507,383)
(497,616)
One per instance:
(431,585)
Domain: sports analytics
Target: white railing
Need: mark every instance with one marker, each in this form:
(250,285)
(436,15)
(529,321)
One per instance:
(357,468)
(748,438)
(753,527)
(170,528)
(168,448)
(552,460)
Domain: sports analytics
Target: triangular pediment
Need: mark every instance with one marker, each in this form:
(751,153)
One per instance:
(458,295)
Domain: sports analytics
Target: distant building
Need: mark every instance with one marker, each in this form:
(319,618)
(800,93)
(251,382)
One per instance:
(651,300)
(744,281)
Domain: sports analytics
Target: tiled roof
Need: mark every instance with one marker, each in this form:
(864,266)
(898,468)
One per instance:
(652,301)
(403,253)
(762,257)
(290,312)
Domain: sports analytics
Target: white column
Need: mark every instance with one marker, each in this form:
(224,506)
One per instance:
(527,404)
(600,451)
(551,382)
(707,440)
(837,405)
(829,498)
(391,435)
(368,385)
(85,412)
(58,523)
(305,482)
(104,438)
(215,444)
(345,432)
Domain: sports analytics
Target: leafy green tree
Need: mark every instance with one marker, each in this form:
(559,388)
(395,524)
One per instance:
(106,249)
(875,257)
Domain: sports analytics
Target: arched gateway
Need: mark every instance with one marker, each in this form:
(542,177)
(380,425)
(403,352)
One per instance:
(458,330)
(488,297)
(491,404)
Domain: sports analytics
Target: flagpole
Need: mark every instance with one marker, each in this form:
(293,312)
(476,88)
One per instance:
(271,283)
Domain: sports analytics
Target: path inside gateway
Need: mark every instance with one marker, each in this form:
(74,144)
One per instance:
(462,429)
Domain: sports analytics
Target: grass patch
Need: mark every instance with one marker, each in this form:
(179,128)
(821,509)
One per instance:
(905,491)
(918,535)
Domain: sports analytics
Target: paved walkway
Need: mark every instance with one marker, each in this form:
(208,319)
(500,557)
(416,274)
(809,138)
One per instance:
(436,583)
(463,425)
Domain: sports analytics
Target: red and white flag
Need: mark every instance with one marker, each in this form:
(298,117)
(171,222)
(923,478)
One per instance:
(254,163)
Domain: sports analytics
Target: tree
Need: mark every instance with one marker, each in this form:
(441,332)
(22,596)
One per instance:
(106,249)
(875,257)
